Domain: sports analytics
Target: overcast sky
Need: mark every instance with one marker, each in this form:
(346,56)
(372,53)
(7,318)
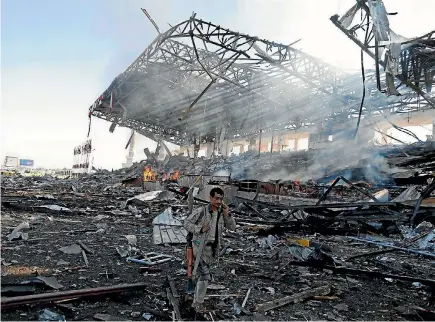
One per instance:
(59,56)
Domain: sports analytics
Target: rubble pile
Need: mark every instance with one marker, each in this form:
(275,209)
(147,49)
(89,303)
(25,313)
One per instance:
(376,165)
(97,248)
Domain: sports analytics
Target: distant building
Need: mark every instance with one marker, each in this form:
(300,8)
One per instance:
(11,162)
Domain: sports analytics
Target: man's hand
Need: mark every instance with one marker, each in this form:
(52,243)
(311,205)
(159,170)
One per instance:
(205,228)
(225,210)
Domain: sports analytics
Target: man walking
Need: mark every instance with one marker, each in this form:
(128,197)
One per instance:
(207,221)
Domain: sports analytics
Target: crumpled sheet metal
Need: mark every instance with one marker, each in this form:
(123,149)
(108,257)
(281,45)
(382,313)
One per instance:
(380,21)
(425,243)
(17,233)
(411,193)
(347,18)
(151,196)
(167,229)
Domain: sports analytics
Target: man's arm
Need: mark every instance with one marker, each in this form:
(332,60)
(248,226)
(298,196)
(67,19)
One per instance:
(192,224)
(229,221)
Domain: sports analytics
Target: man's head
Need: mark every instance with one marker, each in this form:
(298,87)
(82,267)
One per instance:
(216,197)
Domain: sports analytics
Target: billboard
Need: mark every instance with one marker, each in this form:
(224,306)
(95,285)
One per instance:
(82,154)
(26,163)
(11,161)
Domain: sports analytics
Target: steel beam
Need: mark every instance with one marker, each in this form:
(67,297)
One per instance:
(417,60)
(251,84)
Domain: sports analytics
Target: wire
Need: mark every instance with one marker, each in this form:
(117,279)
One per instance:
(401,129)
(364,82)
(379,131)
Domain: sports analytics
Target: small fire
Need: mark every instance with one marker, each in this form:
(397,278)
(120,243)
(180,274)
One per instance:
(175,175)
(149,175)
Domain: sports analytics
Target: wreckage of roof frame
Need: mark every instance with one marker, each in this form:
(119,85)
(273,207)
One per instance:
(200,82)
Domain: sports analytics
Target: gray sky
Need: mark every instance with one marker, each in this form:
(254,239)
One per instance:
(59,56)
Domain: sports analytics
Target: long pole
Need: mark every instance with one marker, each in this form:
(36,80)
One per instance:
(50,297)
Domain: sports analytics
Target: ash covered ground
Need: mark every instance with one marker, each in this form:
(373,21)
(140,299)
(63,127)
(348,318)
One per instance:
(261,258)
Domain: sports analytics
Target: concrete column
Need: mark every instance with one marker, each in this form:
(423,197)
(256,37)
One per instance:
(196,148)
(296,144)
(272,141)
(252,145)
(189,151)
(229,147)
(260,142)
(210,149)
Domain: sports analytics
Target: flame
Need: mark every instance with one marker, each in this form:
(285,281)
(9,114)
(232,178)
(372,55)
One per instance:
(149,175)
(175,175)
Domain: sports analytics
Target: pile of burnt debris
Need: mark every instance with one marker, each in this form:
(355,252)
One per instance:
(340,248)
(381,165)
(376,165)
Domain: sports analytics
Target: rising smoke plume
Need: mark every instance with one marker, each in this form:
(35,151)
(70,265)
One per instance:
(267,101)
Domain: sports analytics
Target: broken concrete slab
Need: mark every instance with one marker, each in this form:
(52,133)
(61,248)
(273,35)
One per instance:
(71,249)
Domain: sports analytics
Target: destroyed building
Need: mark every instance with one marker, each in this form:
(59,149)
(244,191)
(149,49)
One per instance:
(343,230)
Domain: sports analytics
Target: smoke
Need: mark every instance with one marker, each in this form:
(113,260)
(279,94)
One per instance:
(221,173)
(352,159)
(271,97)
(162,92)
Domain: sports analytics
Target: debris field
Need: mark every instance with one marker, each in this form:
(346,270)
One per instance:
(343,230)
(93,248)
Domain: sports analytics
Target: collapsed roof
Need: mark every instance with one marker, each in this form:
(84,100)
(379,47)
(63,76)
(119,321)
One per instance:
(407,62)
(198,79)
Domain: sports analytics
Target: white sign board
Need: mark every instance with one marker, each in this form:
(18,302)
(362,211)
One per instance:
(11,162)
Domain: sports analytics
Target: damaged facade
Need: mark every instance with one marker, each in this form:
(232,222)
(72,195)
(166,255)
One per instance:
(340,232)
